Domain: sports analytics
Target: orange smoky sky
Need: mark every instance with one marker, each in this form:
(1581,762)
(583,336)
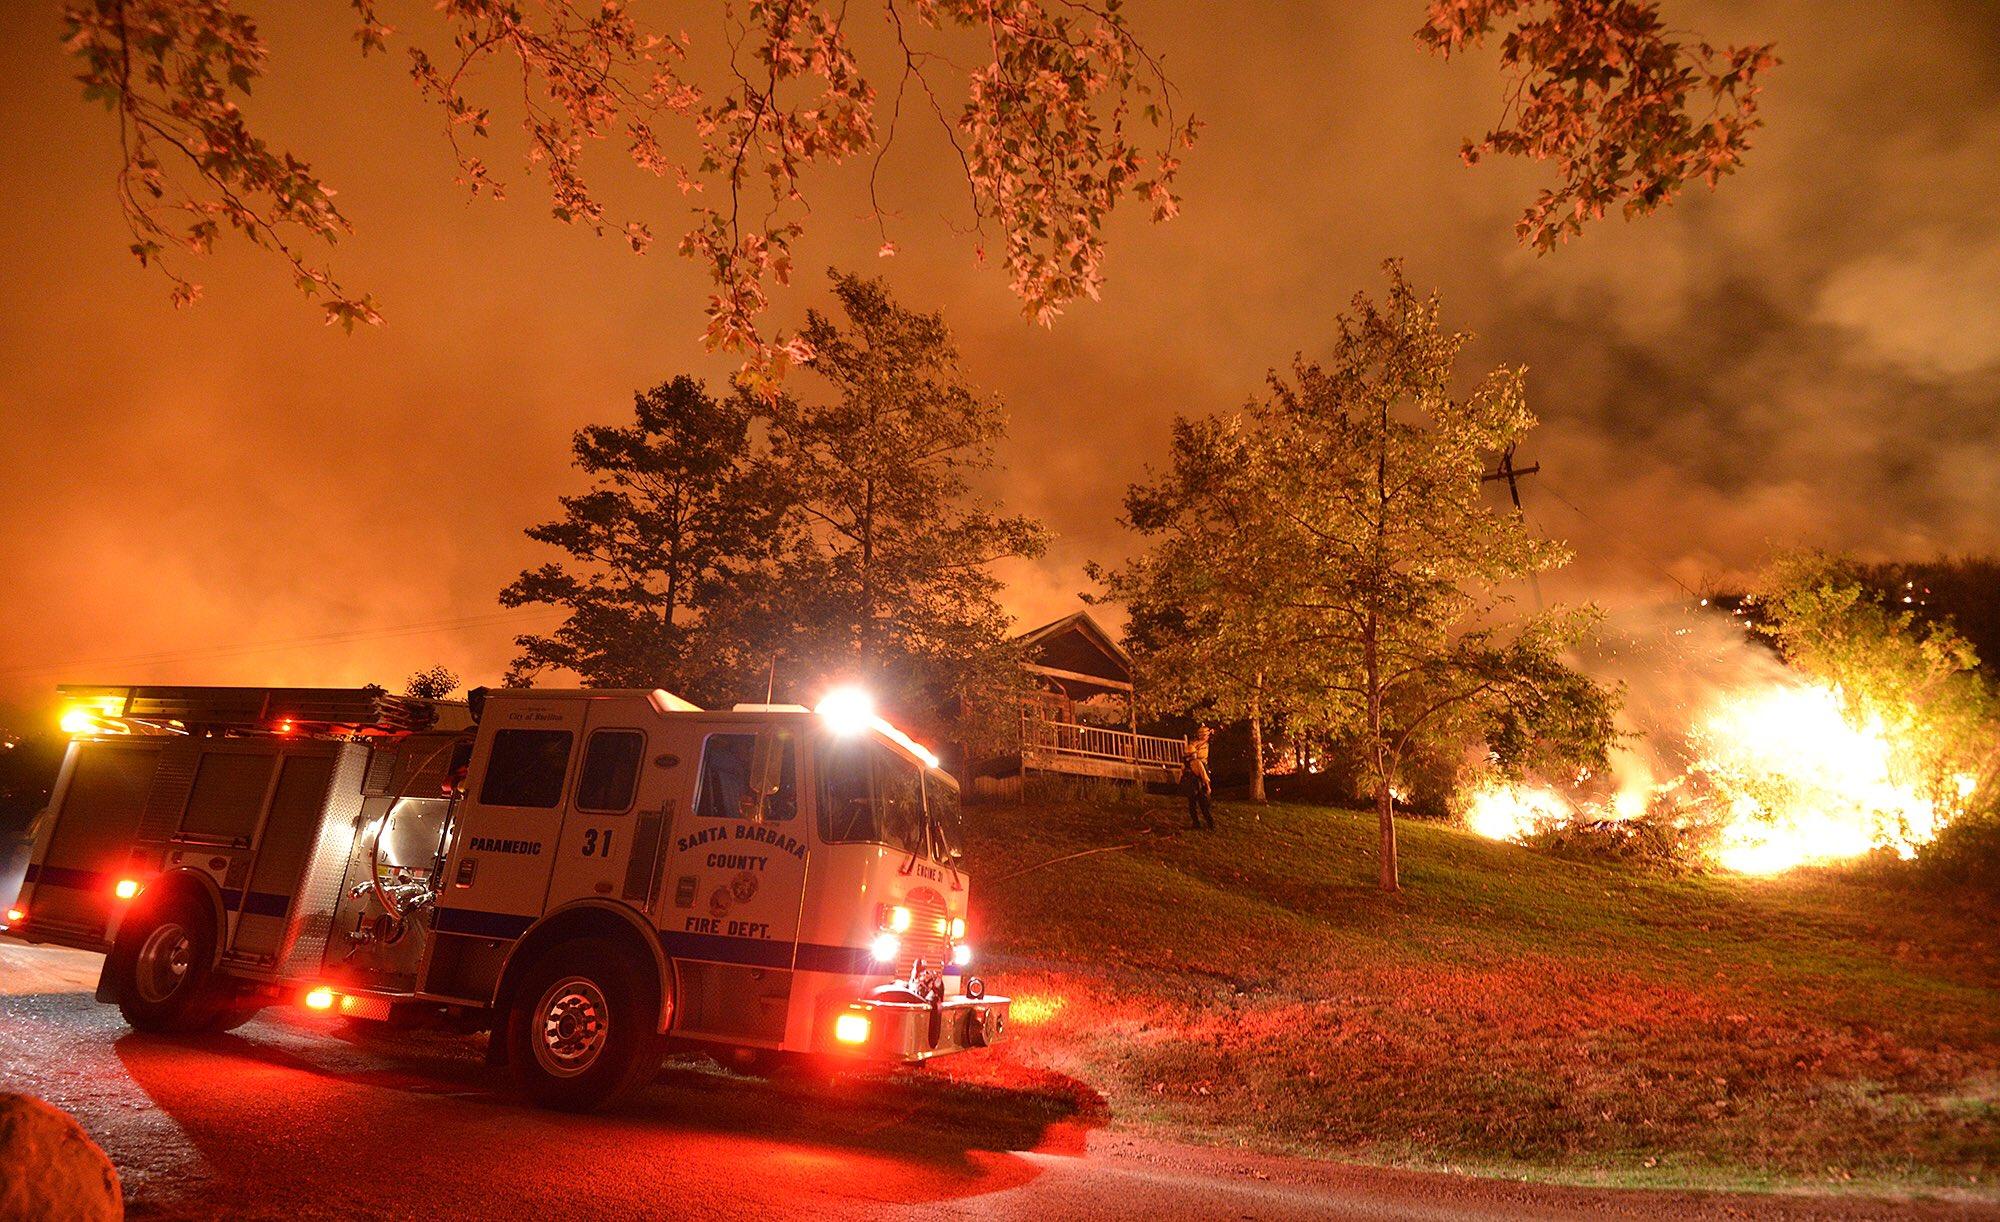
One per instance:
(236,494)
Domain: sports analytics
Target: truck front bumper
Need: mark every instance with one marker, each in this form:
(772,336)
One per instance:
(888,1029)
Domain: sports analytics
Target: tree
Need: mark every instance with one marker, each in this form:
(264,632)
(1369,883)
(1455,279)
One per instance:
(1606,91)
(1961,591)
(883,572)
(674,519)
(1050,97)
(1040,100)
(1204,599)
(1372,471)
(1917,680)
(432,683)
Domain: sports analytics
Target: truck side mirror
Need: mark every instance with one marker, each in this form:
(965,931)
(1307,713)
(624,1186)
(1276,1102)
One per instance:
(767,764)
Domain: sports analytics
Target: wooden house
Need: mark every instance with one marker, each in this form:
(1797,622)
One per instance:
(1078,714)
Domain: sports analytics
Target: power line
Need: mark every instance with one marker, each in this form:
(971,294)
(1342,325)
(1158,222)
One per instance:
(318,640)
(1629,549)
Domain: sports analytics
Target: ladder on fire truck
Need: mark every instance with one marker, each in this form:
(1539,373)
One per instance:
(304,711)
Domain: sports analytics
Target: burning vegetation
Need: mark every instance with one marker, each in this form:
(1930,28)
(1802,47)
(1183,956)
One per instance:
(1782,776)
(1813,726)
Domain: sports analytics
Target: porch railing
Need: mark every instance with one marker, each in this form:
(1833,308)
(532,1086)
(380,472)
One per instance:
(1043,740)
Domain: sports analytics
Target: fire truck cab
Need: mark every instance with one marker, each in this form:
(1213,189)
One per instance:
(594,876)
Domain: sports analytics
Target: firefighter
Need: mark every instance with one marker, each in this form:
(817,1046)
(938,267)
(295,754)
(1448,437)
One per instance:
(1195,781)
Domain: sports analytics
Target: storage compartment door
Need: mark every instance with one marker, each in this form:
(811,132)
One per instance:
(289,834)
(90,844)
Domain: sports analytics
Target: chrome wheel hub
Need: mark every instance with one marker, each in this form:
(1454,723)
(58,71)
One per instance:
(571,1024)
(163,962)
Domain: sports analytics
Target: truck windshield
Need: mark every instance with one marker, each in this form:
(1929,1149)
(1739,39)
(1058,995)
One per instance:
(870,794)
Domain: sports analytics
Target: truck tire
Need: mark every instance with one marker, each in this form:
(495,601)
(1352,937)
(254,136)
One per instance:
(580,1031)
(161,968)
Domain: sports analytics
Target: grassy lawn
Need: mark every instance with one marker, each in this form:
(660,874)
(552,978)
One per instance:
(1507,1013)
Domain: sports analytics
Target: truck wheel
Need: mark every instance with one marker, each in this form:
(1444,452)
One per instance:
(580,1032)
(160,968)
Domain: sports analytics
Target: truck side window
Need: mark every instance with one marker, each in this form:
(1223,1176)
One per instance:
(526,768)
(610,771)
(723,791)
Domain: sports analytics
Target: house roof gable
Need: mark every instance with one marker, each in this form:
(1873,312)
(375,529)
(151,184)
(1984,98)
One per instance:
(1067,644)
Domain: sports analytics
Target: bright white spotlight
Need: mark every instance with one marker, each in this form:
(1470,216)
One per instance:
(847,710)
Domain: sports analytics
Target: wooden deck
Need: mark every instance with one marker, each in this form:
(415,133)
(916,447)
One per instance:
(1099,751)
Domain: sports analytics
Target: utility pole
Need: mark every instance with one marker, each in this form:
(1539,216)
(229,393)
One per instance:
(1513,474)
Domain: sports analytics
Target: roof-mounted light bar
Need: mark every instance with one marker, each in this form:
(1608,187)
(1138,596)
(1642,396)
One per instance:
(851,710)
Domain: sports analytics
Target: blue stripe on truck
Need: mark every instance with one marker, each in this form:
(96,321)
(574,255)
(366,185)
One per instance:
(255,903)
(717,948)
(482,924)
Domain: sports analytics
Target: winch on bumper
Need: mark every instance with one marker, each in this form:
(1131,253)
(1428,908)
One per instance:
(913,1021)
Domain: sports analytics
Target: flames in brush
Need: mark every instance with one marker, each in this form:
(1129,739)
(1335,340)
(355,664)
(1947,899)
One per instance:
(1778,776)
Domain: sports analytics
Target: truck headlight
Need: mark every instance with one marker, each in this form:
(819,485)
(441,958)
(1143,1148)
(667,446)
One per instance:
(958,929)
(886,947)
(961,954)
(899,919)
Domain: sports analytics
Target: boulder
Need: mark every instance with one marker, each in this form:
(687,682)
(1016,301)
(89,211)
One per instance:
(50,1169)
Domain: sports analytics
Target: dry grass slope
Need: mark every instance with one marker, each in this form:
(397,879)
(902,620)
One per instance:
(1508,1012)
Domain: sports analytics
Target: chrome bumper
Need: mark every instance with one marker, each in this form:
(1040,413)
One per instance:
(916,1030)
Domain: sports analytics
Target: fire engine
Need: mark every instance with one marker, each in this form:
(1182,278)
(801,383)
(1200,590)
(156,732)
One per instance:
(596,877)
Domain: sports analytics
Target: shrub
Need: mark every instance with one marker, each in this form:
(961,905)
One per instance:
(1965,854)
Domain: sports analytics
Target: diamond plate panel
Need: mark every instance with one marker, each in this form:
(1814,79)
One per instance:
(311,919)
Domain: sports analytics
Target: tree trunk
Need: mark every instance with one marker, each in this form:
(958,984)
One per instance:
(1385,809)
(1257,741)
(865,630)
(1385,813)
(1385,806)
